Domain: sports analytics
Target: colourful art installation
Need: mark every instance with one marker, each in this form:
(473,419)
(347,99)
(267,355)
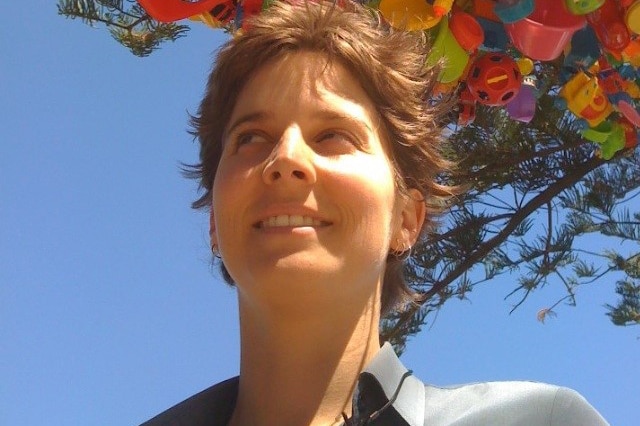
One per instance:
(492,49)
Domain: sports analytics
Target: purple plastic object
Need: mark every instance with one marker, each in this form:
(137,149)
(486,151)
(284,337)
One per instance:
(544,34)
(523,106)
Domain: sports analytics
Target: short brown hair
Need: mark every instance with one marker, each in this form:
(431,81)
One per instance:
(389,64)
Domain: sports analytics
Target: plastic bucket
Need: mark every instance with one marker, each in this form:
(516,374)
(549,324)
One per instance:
(544,34)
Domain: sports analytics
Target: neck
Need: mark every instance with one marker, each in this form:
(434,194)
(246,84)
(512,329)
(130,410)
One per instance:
(301,367)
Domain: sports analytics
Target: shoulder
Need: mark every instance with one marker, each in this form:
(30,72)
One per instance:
(508,403)
(213,406)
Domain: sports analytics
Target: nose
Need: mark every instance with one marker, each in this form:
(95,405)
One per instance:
(290,161)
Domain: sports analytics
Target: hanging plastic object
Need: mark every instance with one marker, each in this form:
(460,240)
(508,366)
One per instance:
(467,106)
(221,14)
(581,7)
(175,10)
(467,31)
(610,136)
(523,106)
(485,9)
(246,9)
(619,92)
(631,53)
(525,65)
(585,98)
(446,46)
(442,7)
(510,11)
(544,34)
(584,49)
(495,37)
(632,17)
(609,26)
(630,133)
(494,79)
(413,15)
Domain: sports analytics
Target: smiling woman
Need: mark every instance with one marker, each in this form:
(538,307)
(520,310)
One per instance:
(319,153)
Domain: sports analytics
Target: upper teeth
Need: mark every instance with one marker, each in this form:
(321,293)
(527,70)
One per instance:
(290,220)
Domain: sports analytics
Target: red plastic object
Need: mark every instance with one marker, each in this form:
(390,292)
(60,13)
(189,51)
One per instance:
(175,10)
(609,26)
(467,105)
(466,30)
(544,34)
(630,133)
(494,79)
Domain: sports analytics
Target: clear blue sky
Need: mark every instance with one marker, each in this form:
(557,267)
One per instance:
(109,310)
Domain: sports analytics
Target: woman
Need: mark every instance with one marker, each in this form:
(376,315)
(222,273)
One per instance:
(318,160)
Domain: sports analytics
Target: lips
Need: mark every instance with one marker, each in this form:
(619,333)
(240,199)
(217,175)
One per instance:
(290,221)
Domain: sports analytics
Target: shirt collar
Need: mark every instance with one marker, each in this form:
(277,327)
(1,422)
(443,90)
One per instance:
(377,385)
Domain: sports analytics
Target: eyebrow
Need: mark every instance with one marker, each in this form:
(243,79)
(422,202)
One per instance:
(330,115)
(252,116)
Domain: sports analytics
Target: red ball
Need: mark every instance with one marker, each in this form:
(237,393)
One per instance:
(494,79)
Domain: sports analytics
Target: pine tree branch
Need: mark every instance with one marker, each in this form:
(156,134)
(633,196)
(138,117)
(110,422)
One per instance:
(544,197)
(534,204)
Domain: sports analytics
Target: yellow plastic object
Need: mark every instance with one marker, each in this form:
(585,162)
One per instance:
(206,19)
(632,17)
(525,65)
(412,15)
(586,99)
(446,46)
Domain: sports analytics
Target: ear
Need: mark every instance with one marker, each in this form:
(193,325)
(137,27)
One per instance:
(412,210)
(213,236)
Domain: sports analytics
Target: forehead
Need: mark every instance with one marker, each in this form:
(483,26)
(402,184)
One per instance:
(305,77)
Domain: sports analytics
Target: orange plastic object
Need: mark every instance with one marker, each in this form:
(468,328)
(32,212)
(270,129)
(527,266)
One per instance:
(442,7)
(412,15)
(586,99)
(466,30)
(544,34)
(484,9)
(175,10)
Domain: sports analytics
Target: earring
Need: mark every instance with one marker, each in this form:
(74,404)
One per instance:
(215,251)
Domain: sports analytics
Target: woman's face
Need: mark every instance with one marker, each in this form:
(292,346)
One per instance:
(304,200)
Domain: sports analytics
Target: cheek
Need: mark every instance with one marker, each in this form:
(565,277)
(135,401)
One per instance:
(367,190)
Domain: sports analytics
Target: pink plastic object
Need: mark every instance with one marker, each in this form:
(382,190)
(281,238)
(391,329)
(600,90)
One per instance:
(609,26)
(175,10)
(544,34)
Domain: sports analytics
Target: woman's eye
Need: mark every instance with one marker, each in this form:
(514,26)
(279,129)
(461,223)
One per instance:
(336,137)
(249,138)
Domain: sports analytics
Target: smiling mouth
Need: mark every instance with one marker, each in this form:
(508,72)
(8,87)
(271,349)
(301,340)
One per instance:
(291,221)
